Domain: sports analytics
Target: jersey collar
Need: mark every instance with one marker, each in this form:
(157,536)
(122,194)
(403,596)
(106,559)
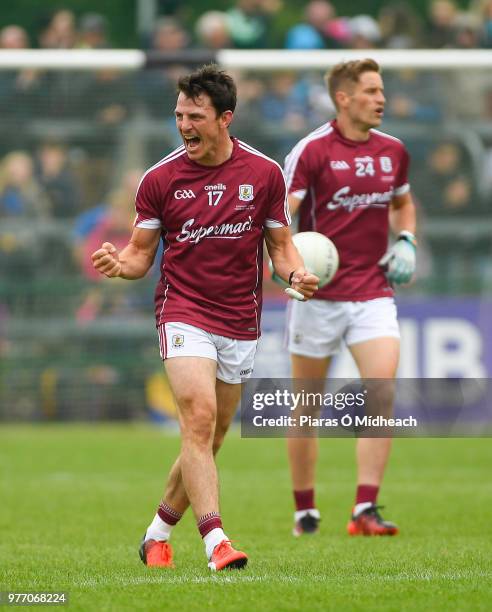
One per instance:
(348,141)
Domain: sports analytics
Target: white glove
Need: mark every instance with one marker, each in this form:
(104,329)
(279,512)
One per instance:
(399,261)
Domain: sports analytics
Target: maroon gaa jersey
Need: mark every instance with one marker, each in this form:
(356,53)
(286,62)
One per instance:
(212,220)
(346,188)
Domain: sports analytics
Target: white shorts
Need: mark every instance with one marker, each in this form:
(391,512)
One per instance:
(317,328)
(234,358)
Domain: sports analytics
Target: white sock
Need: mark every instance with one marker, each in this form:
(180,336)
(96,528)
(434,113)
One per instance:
(361,507)
(158,530)
(298,514)
(211,540)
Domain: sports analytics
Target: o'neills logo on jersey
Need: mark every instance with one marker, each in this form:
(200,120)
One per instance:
(229,231)
(376,199)
(218,187)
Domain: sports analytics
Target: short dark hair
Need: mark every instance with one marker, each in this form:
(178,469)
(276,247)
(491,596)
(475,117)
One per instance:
(348,71)
(217,84)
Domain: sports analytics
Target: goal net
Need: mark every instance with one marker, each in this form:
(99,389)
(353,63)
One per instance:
(80,127)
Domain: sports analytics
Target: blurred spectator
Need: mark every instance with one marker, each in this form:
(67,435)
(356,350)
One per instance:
(248,120)
(20,90)
(157,86)
(321,28)
(250,22)
(59,32)
(284,102)
(57,179)
(93,31)
(169,35)
(442,14)
(467,31)
(283,108)
(17,261)
(483,9)
(21,196)
(212,31)
(14,37)
(413,95)
(365,32)
(86,222)
(445,185)
(401,27)
(109,96)
(114,226)
(311,34)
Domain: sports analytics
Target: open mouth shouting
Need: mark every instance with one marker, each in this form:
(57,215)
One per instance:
(191,143)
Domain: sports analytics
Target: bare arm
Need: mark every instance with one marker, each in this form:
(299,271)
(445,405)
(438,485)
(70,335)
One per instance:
(294,203)
(135,259)
(286,259)
(402,215)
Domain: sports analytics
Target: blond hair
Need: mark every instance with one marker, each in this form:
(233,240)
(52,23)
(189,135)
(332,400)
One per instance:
(338,76)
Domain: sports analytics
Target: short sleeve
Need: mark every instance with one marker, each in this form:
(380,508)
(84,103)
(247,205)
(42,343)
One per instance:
(147,203)
(278,210)
(402,185)
(297,171)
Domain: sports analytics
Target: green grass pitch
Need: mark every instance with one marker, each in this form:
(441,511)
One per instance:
(75,500)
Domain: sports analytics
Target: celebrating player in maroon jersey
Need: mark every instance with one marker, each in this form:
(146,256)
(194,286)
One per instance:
(212,200)
(349,182)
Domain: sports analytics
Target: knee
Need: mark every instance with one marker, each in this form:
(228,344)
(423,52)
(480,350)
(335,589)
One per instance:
(380,398)
(198,423)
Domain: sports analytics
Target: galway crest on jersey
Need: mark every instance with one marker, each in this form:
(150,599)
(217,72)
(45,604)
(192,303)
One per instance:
(246,193)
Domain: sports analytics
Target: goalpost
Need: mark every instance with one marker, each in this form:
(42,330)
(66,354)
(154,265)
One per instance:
(261,60)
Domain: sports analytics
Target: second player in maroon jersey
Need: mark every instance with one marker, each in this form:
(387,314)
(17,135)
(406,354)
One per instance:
(347,187)
(349,181)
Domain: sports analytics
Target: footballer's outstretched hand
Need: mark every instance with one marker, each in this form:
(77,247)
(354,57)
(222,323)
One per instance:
(107,261)
(303,285)
(399,261)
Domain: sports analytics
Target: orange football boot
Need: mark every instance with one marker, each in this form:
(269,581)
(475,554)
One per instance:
(226,557)
(156,554)
(369,522)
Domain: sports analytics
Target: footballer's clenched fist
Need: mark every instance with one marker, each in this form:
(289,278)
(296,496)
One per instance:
(106,260)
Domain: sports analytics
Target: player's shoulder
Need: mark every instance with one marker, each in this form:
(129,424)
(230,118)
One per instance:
(164,167)
(318,138)
(387,139)
(256,158)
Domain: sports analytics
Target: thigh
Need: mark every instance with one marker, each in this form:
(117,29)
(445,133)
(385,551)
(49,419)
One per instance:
(228,396)
(377,358)
(315,328)
(192,381)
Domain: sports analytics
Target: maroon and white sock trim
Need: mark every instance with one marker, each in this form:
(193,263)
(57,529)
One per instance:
(167,514)
(209,521)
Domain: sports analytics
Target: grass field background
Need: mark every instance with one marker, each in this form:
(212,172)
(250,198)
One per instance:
(75,500)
